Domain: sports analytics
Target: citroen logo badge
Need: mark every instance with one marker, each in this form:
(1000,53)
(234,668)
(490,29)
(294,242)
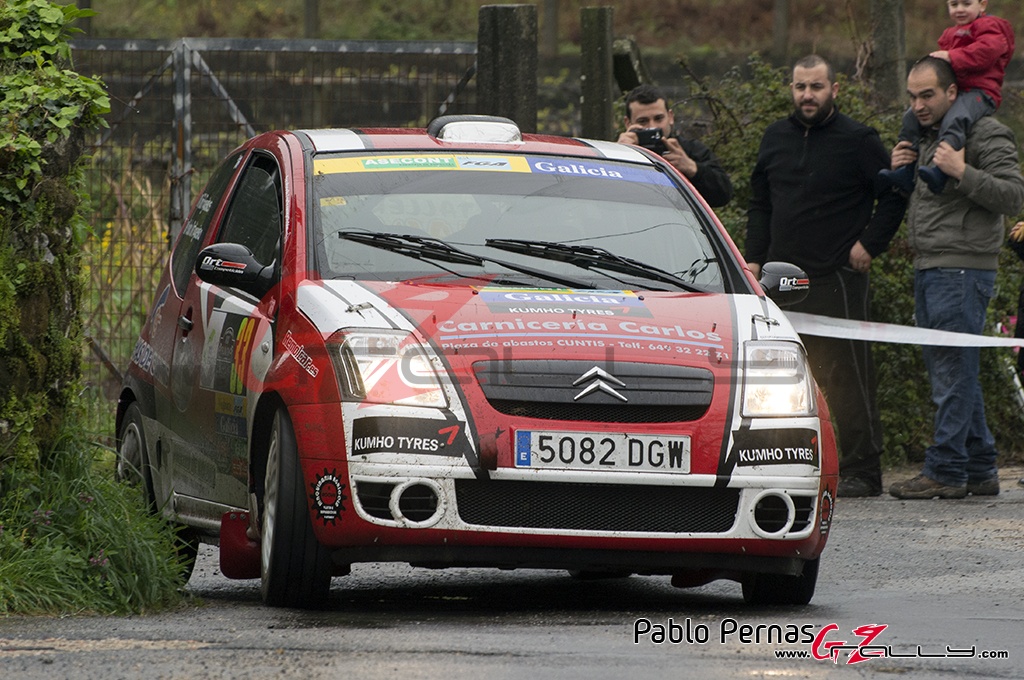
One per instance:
(599,380)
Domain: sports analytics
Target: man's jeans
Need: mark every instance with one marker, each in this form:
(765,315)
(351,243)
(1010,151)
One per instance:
(956,300)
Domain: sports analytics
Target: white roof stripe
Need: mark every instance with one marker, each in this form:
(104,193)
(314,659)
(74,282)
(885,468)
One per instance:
(335,140)
(616,151)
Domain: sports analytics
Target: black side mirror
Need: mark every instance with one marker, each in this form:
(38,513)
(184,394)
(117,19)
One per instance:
(784,283)
(233,265)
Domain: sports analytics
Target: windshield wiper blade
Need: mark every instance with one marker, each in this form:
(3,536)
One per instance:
(590,257)
(426,248)
(412,246)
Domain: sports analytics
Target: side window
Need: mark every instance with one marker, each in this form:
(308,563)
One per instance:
(183,259)
(254,216)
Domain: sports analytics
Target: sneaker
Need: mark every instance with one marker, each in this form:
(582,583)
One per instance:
(934,178)
(901,179)
(857,487)
(986,487)
(926,487)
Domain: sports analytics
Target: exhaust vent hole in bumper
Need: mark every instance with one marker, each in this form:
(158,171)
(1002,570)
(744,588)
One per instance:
(416,502)
(773,513)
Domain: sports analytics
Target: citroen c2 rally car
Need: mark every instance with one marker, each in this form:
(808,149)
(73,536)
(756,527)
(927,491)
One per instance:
(466,346)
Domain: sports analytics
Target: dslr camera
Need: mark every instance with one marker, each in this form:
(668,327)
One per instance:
(651,138)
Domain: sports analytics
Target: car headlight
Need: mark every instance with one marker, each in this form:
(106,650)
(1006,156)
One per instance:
(385,367)
(776,380)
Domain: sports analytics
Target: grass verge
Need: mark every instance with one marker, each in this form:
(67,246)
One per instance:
(75,541)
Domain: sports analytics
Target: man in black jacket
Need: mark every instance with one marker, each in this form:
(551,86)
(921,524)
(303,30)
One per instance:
(647,110)
(814,203)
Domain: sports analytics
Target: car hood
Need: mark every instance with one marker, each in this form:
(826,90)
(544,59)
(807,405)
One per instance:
(472,323)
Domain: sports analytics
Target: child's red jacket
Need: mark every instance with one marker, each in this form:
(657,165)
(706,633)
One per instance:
(979,53)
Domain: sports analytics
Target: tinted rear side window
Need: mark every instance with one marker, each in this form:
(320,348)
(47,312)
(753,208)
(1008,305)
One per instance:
(193,234)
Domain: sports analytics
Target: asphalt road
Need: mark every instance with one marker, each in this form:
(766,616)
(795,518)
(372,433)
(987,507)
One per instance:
(940,585)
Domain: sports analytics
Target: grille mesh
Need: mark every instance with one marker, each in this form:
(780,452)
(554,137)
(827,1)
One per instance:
(554,390)
(596,507)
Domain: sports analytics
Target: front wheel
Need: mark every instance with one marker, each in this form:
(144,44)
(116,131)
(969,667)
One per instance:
(295,569)
(782,589)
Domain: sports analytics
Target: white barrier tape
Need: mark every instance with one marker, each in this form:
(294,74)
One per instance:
(830,327)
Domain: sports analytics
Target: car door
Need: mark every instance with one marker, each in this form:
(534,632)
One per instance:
(171,327)
(222,329)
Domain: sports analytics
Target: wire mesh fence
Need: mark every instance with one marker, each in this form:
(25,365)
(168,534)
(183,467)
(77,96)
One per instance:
(177,107)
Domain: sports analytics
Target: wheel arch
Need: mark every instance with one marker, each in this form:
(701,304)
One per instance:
(131,393)
(259,437)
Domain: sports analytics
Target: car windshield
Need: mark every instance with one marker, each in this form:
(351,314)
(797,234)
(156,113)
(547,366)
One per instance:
(622,225)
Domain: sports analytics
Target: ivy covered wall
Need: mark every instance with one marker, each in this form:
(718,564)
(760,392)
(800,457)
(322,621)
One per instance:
(46,112)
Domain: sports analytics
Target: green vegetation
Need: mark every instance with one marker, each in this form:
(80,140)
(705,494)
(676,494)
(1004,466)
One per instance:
(74,540)
(43,115)
(71,539)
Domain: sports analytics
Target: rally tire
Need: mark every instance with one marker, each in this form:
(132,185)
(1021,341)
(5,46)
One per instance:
(132,455)
(295,570)
(782,589)
(133,467)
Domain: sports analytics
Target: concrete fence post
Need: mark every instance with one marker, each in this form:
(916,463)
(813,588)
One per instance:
(596,72)
(507,63)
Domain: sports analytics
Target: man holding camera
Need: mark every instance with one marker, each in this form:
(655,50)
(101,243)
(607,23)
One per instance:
(649,123)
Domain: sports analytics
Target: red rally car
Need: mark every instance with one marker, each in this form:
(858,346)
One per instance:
(465,346)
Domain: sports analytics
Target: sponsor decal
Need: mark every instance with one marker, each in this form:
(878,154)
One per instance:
(578,331)
(783,446)
(826,505)
(143,356)
(424,436)
(584,303)
(221,265)
(158,308)
(229,414)
(492,163)
(575,168)
(226,352)
(407,162)
(151,363)
(191,229)
(598,170)
(328,496)
(545,165)
(300,355)
(788,283)
(240,357)
(204,203)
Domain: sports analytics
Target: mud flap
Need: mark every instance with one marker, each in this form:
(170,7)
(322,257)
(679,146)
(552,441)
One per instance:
(239,555)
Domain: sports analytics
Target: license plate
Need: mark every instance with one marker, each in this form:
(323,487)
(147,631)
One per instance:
(602,451)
